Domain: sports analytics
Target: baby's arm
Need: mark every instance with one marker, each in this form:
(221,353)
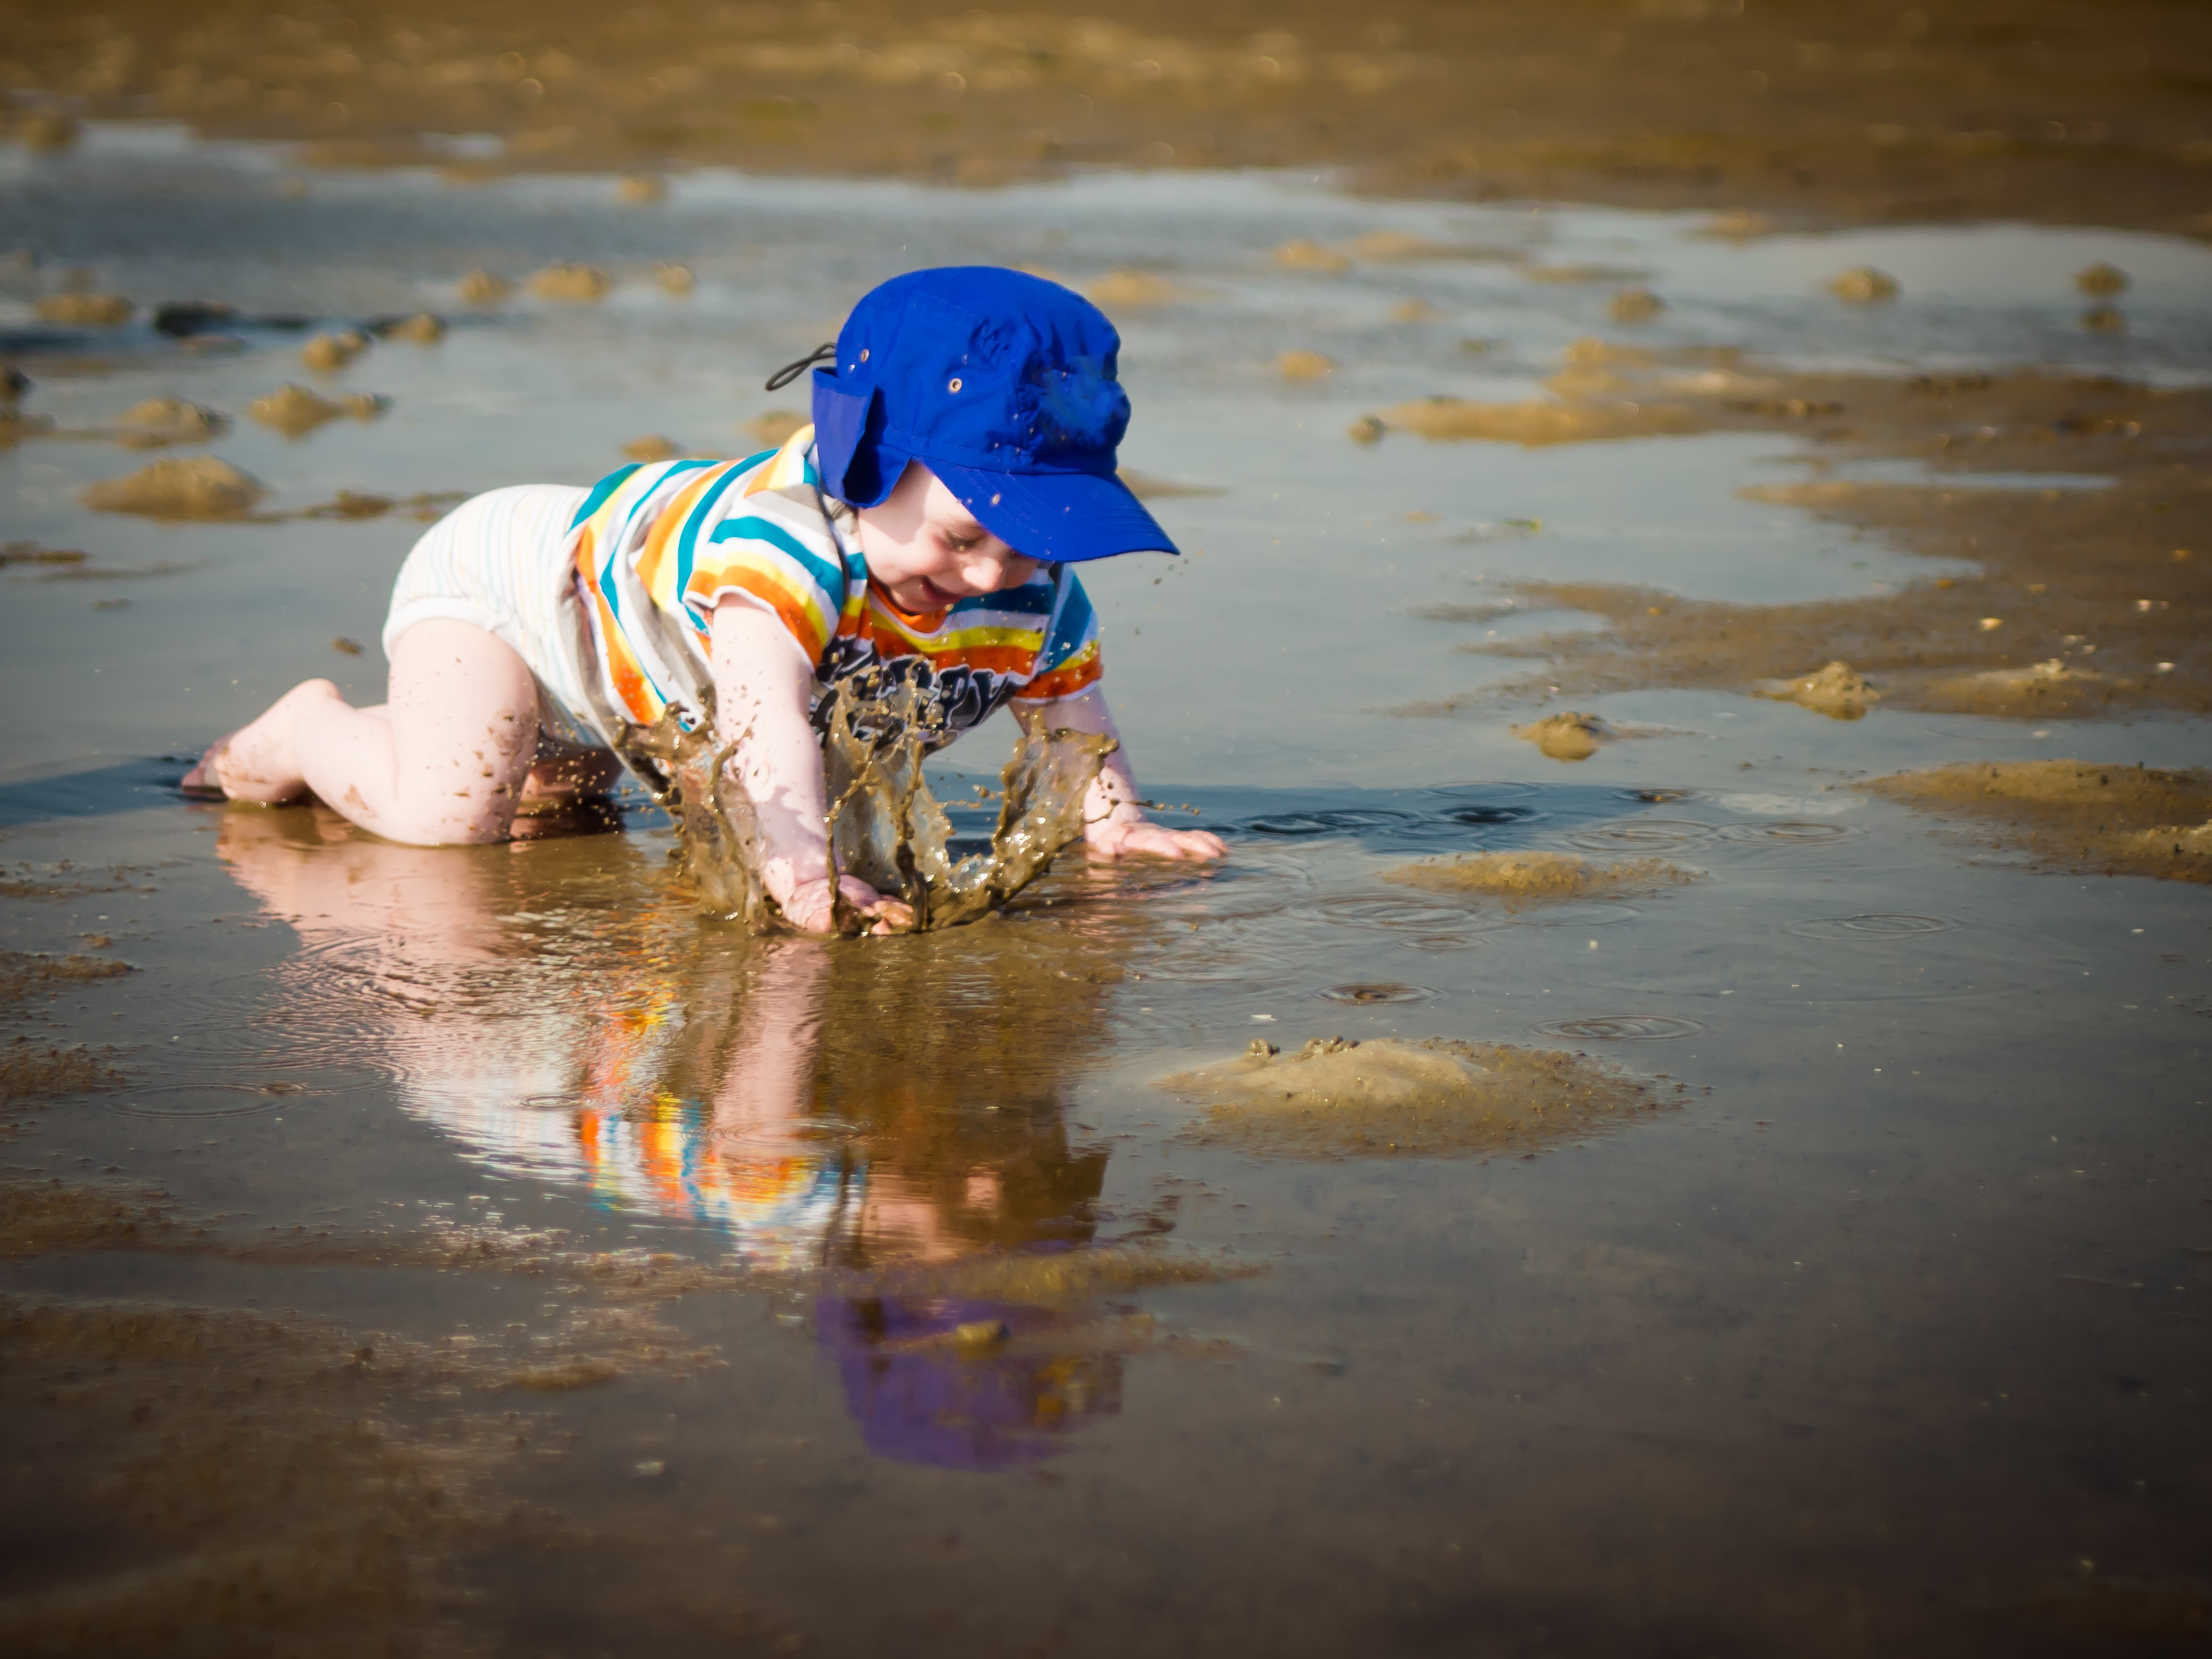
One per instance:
(761,687)
(1115,824)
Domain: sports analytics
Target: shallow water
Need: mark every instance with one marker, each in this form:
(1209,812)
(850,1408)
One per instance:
(940,1324)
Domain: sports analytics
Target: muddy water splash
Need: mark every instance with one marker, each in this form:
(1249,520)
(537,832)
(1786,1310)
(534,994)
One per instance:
(889,830)
(886,826)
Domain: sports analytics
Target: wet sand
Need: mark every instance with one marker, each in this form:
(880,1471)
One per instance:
(2043,111)
(490,1252)
(2091,600)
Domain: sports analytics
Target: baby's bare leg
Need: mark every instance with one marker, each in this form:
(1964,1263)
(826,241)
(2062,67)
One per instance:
(443,761)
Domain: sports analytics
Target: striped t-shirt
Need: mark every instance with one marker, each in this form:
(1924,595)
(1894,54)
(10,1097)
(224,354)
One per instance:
(657,546)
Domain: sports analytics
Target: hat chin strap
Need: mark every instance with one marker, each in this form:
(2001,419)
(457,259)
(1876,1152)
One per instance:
(824,353)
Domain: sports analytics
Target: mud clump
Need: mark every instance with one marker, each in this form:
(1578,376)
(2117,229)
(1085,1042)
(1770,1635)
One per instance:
(2102,280)
(2116,820)
(481,287)
(333,348)
(562,280)
(423,328)
(295,412)
(160,421)
(1840,691)
(86,310)
(1535,424)
(39,1071)
(1568,736)
(23,972)
(1389,1097)
(46,1218)
(1634,305)
(1300,365)
(200,488)
(1525,877)
(1863,285)
(652,447)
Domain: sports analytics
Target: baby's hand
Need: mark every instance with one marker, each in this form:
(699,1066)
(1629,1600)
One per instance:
(1118,837)
(810,909)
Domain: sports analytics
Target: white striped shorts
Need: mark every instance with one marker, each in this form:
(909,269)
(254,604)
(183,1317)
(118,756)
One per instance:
(500,561)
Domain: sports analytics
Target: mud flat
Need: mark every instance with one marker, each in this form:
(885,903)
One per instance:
(2091,600)
(2075,815)
(1520,878)
(1386,1098)
(1483,101)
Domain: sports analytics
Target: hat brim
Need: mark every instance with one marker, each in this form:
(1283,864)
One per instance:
(1061,518)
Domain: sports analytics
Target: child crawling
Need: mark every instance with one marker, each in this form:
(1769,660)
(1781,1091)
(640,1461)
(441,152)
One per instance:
(962,458)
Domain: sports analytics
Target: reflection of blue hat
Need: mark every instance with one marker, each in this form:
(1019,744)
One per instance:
(1003,384)
(917,1398)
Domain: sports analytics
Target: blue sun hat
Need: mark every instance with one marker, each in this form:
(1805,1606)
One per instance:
(1003,384)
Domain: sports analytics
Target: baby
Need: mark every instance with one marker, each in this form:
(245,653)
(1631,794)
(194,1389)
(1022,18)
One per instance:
(961,462)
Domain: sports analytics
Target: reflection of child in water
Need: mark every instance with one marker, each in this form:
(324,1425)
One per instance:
(962,461)
(690,1086)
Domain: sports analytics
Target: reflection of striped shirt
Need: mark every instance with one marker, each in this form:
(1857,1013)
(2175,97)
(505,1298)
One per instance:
(657,546)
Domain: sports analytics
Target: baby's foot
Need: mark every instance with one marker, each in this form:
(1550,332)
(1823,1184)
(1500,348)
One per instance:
(204,781)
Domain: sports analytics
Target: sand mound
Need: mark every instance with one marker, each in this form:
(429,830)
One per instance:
(562,280)
(1634,305)
(1539,876)
(1296,365)
(644,187)
(652,447)
(1863,285)
(1413,311)
(333,348)
(481,287)
(2115,819)
(86,310)
(1568,736)
(2102,280)
(158,422)
(1536,423)
(1334,1098)
(200,488)
(295,412)
(1838,692)
(423,328)
(675,279)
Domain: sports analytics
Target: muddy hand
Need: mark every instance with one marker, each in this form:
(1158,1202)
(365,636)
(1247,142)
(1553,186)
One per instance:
(811,910)
(1120,838)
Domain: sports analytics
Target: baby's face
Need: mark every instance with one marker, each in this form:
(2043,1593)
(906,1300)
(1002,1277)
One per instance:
(927,550)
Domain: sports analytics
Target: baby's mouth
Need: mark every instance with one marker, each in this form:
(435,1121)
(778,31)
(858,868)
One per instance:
(933,597)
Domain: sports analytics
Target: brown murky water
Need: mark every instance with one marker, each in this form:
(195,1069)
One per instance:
(1796,1214)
